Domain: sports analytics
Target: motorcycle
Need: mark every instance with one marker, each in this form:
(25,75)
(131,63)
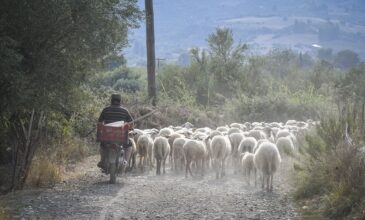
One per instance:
(113,136)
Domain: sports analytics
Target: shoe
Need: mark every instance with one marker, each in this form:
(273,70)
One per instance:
(101,166)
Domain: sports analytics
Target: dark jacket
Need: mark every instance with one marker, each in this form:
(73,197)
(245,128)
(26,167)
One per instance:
(114,113)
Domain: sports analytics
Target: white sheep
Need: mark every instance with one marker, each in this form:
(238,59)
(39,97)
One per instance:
(214,133)
(222,129)
(235,139)
(171,139)
(132,158)
(166,132)
(282,133)
(135,133)
(291,122)
(161,150)
(144,142)
(150,157)
(248,166)
(259,143)
(220,150)
(187,125)
(203,130)
(236,125)
(285,133)
(257,134)
(247,145)
(285,146)
(178,153)
(194,151)
(233,130)
(267,160)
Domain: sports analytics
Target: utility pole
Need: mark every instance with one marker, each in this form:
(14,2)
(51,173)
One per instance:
(150,42)
(158,64)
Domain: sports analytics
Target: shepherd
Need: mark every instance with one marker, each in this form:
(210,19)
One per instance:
(113,113)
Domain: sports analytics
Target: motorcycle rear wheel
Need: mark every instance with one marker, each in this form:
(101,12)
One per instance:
(112,170)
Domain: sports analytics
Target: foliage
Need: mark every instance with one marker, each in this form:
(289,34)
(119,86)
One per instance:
(346,59)
(274,87)
(332,173)
(49,49)
(5,213)
(120,79)
(43,172)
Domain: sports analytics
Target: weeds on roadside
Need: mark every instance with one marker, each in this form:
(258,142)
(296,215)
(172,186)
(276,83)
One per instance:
(48,165)
(4,213)
(330,176)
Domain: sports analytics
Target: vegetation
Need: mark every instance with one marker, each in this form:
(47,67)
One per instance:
(225,79)
(48,50)
(331,174)
(331,170)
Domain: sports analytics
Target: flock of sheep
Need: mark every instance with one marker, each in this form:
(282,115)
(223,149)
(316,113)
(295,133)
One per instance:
(248,147)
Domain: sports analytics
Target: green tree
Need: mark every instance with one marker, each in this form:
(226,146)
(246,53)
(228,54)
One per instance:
(226,60)
(50,49)
(346,59)
(325,54)
(351,94)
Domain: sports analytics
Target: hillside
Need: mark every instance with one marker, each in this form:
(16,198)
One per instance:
(264,25)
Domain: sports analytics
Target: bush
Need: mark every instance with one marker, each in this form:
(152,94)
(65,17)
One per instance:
(5,213)
(43,172)
(279,106)
(49,162)
(330,177)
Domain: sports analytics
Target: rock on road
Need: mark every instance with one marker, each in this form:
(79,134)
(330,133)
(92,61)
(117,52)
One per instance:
(146,196)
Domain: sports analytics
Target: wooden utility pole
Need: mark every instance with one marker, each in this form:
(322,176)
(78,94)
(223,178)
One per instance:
(150,42)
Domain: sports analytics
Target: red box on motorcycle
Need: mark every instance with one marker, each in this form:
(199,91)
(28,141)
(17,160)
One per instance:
(116,132)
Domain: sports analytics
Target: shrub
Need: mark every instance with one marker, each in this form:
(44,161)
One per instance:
(43,172)
(5,213)
(331,174)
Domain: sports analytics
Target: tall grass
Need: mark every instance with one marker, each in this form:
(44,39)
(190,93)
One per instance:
(330,177)
(5,213)
(49,163)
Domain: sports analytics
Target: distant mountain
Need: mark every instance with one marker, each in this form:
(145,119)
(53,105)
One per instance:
(263,24)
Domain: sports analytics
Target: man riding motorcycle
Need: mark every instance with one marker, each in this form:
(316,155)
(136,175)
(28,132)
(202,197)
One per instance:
(114,113)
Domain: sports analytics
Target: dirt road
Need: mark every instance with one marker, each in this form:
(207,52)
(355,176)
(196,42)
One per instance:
(87,195)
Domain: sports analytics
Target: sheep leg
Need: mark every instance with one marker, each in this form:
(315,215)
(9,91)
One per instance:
(163,164)
(203,161)
(134,161)
(263,181)
(190,170)
(175,165)
(216,168)
(234,165)
(248,175)
(271,182)
(182,164)
(171,160)
(144,162)
(140,163)
(223,168)
(254,172)
(186,169)
(158,166)
(268,182)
